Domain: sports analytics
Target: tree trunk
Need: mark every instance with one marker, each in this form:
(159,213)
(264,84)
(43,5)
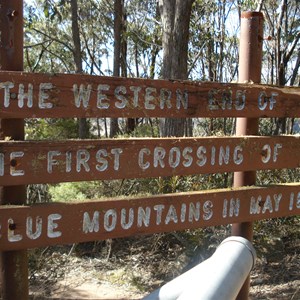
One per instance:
(155,48)
(284,55)
(118,34)
(83,130)
(175,16)
(296,70)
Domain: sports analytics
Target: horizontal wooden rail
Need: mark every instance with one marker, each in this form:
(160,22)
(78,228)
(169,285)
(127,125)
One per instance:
(77,160)
(33,95)
(64,223)
(83,160)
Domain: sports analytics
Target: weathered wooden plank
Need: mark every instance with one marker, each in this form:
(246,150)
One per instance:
(31,95)
(63,223)
(82,160)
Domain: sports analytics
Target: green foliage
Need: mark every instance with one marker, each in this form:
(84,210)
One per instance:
(213,53)
(66,192)
(247,5)
(49,43)
(38,193)
(51,129)
(265,177)
(145,129)
(214,127)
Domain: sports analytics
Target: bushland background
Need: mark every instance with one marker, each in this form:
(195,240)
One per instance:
(182,39)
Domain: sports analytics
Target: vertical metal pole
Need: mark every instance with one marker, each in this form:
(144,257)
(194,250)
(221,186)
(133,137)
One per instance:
(250,62)
(14,264)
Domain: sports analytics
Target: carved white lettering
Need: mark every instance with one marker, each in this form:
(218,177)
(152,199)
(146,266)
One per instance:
(183,213)
(267,153)
(225,208)
(82,158)
(127,224)
(237,155)
(141,160)
(182,99)
(240,100)
(265,102)
(231,208)
(292,203)
(44,87)
(82,95)
(207,210)
(165,98)
(194,212)
(135,90)
(188,158)
(100,157)
(22,95)
(174,157)
(52,226)
(224,155)
(11,235)
(171,215)
(149,98)
(159,155)
(234,207)
(276,151)
(102,99)
(68,161)
(270,203)
(85,95)
(90,225)
(7,86)
(267,205)
(143,216)
(277,199)
(51,161)
(223,99)
(116,152)
(255,205)
(1,164)
(33,235)
(213,155)
(120,91)
(159,210)
(14,163)
(110,220)
(201,151)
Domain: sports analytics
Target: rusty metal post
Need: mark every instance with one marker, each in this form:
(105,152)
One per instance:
(250,62)
(14,264)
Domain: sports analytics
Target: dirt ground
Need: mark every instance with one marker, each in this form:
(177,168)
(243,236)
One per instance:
(132,268)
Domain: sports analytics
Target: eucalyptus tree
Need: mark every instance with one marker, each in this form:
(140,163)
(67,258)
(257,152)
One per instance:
(68,37)
(144,38)
(213,52)
(282,55)
(49,36)
(175,17)
(119,52)
(143,44)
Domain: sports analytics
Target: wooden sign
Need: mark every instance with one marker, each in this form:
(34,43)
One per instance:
(82,160)
(24,227)
(32,95)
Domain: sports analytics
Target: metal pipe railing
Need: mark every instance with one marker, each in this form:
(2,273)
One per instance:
(218,278)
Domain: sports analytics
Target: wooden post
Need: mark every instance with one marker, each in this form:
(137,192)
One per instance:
(14,264)
(250,62)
